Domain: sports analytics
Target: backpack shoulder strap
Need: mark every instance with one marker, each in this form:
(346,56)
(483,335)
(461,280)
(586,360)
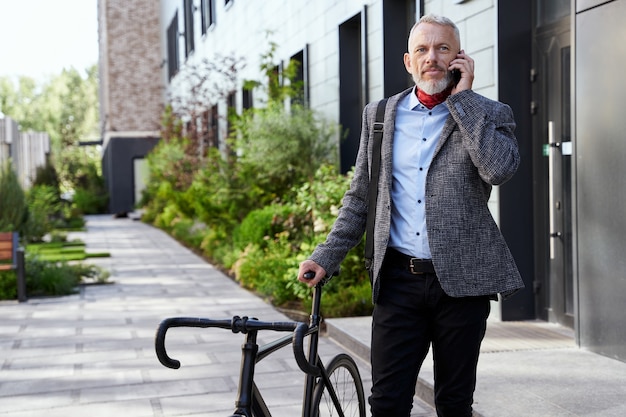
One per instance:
(372,195)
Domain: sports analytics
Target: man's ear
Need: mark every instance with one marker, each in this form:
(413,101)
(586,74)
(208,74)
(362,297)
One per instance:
(407,62)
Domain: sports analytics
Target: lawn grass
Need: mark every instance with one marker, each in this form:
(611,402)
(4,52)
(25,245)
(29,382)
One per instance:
(63,251)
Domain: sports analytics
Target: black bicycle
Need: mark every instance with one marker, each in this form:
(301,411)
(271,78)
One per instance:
(334,389)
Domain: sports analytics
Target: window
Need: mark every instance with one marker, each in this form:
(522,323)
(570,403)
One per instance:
(231,102)
(189,45)
(208,14)
(300,83)
(247,102)
(172,47)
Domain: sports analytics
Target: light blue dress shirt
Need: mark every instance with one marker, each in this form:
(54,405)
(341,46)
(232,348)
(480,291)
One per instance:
(417,131)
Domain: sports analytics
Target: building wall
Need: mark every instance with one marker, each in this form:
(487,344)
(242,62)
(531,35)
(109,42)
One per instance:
(131,91)
(241,29)
(130,60)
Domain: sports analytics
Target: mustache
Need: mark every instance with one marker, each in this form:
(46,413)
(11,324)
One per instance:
(435,67)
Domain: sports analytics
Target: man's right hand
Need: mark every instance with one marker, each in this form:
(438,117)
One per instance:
(311,266)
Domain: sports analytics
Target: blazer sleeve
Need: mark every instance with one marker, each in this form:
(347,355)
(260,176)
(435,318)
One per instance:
(487,128)
(349,227)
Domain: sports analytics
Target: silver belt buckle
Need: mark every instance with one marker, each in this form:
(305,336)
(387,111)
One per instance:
(412,266)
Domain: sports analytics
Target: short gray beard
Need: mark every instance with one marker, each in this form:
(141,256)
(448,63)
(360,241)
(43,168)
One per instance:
(433,87)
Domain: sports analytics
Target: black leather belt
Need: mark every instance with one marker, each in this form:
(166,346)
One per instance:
(415,266)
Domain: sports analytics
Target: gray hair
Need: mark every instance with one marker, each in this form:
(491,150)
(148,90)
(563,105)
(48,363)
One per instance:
(437,20)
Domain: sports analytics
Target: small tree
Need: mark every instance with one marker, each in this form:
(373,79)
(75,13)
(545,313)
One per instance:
(203,85)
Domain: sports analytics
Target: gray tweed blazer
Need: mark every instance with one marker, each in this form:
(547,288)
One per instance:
(477,149)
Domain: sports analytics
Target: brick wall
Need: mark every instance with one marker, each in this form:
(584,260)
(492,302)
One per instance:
(130,59)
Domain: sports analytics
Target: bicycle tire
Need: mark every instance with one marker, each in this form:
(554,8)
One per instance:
(346,381)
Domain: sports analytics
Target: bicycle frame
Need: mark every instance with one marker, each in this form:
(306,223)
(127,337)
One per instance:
(249,400)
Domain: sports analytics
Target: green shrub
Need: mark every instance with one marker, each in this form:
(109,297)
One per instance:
(188,231)
(44,278)
(260,205)
(8,285)
(267,269)
(47,175)
(90,193)
(44,208)
(13,208)
(90,200)
(281,148)
(262,225)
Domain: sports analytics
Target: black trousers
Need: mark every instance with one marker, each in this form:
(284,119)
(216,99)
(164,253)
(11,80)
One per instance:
(412,312)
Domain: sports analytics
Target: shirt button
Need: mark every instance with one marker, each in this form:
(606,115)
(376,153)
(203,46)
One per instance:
(421,169)
(430,113)
(424,139)
(419,201)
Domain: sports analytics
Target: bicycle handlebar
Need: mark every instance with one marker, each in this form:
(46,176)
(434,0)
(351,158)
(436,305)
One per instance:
(237,325)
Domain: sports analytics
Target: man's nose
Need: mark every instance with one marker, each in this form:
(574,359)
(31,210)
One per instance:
(431,56)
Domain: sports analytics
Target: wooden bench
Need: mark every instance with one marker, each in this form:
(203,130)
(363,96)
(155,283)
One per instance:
(12,258)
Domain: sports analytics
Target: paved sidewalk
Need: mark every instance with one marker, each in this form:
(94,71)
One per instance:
(92,354)
(525,369)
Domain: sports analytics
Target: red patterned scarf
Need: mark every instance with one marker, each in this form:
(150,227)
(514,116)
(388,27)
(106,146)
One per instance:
(431,100)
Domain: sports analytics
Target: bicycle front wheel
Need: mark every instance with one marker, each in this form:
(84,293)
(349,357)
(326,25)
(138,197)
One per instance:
(346,383)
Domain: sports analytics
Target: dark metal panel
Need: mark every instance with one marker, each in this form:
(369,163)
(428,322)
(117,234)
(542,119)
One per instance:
(350,89)
(398,19)
(516,196)
(118,166)
(601,168)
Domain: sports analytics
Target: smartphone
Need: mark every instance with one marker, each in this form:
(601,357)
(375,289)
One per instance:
(456,76)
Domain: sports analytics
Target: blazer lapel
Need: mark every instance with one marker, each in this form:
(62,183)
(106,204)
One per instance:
(387,145)
(448,128)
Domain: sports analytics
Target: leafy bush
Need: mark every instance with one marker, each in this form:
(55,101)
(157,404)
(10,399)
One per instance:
(90,201)
(264,224)
(281,148)
(90,193)
(45,278)
(44,206)
(8,285)
(47,175)
(13,209)
(277,238)
(260,204)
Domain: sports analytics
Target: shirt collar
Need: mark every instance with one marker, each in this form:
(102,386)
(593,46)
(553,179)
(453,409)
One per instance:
(414,103)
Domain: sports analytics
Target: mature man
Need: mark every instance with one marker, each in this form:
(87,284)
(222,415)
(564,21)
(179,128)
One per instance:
(438,255)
